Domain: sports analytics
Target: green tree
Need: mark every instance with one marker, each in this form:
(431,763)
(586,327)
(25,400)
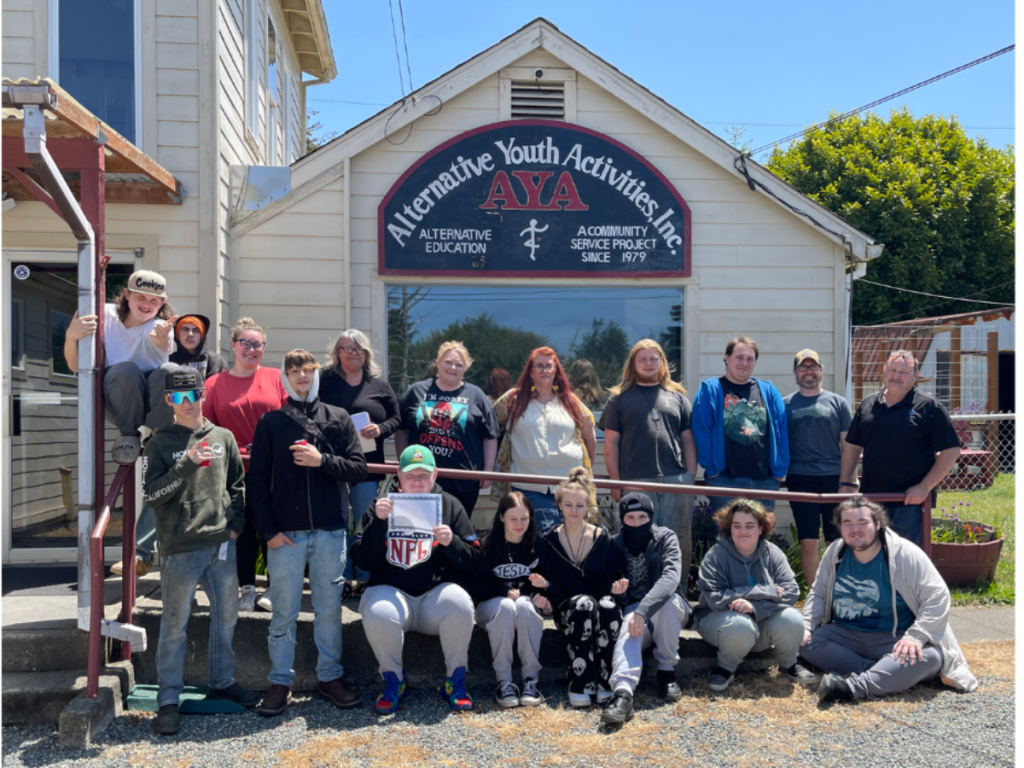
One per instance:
(606,345)
(313,127)
(941,203)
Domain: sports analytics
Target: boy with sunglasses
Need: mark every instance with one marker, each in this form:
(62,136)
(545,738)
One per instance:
(193,479)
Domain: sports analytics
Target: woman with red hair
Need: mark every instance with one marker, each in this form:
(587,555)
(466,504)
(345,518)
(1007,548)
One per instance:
(547,431)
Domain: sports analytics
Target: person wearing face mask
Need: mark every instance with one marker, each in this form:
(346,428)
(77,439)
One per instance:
(304,458)
(656,607)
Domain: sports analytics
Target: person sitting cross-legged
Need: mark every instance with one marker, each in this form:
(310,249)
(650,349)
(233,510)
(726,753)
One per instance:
(877,618)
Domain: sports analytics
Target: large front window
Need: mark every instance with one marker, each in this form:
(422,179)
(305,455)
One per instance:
(500,325)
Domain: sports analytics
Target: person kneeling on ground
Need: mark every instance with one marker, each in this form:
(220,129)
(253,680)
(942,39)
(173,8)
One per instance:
(414,585)
(878,613)
(747,593)
(304,458)
(193,478)
(506,601)
(656,606)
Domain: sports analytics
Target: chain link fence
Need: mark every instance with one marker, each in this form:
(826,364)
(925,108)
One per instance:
(981,484)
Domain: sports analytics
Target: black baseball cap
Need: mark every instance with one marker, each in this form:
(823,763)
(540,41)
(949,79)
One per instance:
(183,379)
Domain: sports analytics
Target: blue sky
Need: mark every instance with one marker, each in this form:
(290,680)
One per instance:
(771,66)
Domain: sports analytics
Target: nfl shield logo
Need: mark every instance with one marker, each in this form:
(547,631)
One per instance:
(409,547)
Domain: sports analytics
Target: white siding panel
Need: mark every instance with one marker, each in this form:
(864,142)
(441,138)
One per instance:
(266,246)
(177,55)
(790,256)
(286,293)
(17,50)
(184,108)
(177,29)
(296,270)
(17,23)
(750,300)
(777,343)
(177,7)
(764,278)
(177,82)
(172,133)
(176,159)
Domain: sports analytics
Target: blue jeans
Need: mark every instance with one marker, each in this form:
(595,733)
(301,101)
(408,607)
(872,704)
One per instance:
(747,483)
(145,535)
(179,576)
(359,497)
(545,509)
(325,552)
(906,521)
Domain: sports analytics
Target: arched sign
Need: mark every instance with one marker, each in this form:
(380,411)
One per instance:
(533,198)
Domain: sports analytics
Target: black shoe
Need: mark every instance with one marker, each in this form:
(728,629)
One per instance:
(833,688)
(619,708)
(668,688)
(276,701)
(798,673)
(719,679)
(235,693)
(168,720)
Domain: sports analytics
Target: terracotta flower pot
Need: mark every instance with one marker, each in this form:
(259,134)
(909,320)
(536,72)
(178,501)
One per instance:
(962,565)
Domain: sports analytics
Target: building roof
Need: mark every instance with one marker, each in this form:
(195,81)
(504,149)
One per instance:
(308,173)
(307,27)
(131,175)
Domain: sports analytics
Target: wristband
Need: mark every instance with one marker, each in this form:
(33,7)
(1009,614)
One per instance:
(852,485)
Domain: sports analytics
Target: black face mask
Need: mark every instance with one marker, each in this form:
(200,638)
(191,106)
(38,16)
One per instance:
(636,537)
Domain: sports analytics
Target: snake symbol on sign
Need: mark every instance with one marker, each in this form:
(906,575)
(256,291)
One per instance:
(534,242)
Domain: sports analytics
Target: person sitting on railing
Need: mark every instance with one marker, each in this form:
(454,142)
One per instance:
(506,602)
(415,577)
(747,593)
(193,478)
(877,618)
(656,606)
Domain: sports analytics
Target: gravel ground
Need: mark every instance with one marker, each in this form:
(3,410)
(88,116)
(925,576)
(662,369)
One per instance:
(762,720)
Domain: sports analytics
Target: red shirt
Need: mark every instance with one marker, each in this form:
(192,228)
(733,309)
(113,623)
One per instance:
(237,402)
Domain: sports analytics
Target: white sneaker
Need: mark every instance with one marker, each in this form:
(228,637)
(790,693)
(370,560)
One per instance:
(506,694)
(579,699)
(532,696)
(264,604)
(247,601)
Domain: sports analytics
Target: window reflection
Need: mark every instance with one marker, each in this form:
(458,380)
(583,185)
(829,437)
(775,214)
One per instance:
(591,328)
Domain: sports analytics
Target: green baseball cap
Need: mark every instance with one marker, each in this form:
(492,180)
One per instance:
(417,457)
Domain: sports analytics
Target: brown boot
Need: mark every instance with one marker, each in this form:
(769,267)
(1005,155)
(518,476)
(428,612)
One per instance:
(276,701)
(339,694)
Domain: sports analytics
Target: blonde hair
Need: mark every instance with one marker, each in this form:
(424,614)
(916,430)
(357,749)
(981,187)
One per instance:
(578,481)
(459,347)
(300,358)
(361,340)
(246,324)
(629,369)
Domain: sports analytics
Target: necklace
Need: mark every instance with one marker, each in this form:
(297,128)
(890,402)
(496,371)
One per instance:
(654,415)
(577,553)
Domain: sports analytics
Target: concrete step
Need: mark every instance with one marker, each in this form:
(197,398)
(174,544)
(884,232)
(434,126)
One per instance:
(46,650)
(423,658)
(39,698)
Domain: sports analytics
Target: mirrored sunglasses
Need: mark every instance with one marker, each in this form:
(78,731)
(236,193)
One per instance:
(192,395)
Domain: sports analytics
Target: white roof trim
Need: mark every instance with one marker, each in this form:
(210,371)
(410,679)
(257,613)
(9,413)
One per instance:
(541,34)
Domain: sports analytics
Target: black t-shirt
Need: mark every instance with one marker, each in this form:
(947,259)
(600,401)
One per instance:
(452,424)
(647,444)
(747,433)
(375,397)
(900,442)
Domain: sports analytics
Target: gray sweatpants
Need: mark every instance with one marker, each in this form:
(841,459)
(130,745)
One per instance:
(867,658)
(502,618)
(135,398)
(736,634)
(662,629)
(388,613)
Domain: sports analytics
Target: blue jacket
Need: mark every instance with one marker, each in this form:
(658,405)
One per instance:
(709,429)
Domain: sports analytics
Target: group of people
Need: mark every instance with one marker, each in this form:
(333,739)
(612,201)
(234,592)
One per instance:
(876,620)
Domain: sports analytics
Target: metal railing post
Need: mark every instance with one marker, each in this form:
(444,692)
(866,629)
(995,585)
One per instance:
(128,558)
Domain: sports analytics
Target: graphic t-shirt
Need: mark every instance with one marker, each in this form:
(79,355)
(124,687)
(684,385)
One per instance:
(814,425)
(636,572)
(745,420)
(650,420)
(453,425)
(862,596)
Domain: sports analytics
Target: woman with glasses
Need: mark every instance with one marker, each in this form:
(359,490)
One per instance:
(454,419)
(235,399)
(548,431)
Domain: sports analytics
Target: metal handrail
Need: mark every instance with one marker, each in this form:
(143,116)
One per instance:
(124,481)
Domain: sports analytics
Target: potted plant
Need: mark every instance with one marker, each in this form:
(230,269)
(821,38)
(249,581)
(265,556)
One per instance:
(965,551)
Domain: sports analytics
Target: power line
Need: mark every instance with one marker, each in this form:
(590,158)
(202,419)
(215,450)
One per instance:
(398,56)
(941,303)
(405,43)
(884,99)
(937,296)
(360,103)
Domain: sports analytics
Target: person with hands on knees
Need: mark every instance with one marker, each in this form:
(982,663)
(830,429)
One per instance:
(506,603)
(747,595)
(137,345)
(877,618)
(415,584)
(304,458)
(656,607)
(192,477)
(584,586)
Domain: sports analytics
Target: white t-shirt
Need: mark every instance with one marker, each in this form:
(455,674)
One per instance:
(543,443)
(122,344)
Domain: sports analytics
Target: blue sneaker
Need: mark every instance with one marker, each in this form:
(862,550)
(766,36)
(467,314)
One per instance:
(455,691)
(391,699)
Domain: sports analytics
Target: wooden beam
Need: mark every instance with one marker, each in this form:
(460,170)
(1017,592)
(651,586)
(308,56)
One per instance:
(858,378)
(129,192)
(35,190)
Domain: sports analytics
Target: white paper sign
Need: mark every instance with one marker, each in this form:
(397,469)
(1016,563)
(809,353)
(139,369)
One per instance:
(411,527)
(362,421)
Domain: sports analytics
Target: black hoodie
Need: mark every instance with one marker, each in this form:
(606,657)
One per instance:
(207,363)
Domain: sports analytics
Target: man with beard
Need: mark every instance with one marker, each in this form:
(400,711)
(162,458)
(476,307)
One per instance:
(739,424)
(647,437)
(877,618)
(656,607)
(817,422)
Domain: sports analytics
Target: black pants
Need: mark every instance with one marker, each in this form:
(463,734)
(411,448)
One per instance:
(247,547)
(466,498)
(591,627)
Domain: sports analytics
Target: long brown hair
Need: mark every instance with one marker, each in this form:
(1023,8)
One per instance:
(519,398)
(123,310)
(495,538)
(629,369)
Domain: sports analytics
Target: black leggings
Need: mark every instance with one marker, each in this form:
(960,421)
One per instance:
(591,627)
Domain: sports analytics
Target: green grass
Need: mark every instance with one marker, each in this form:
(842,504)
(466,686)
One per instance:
(993,505)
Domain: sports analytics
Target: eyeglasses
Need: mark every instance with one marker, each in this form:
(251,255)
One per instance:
(192,395)
(809,367)
(246,344)
(543,366)
(351,350)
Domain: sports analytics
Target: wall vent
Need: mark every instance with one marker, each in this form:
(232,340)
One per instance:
(537,99)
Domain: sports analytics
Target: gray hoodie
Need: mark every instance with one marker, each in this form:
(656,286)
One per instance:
(726,575)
